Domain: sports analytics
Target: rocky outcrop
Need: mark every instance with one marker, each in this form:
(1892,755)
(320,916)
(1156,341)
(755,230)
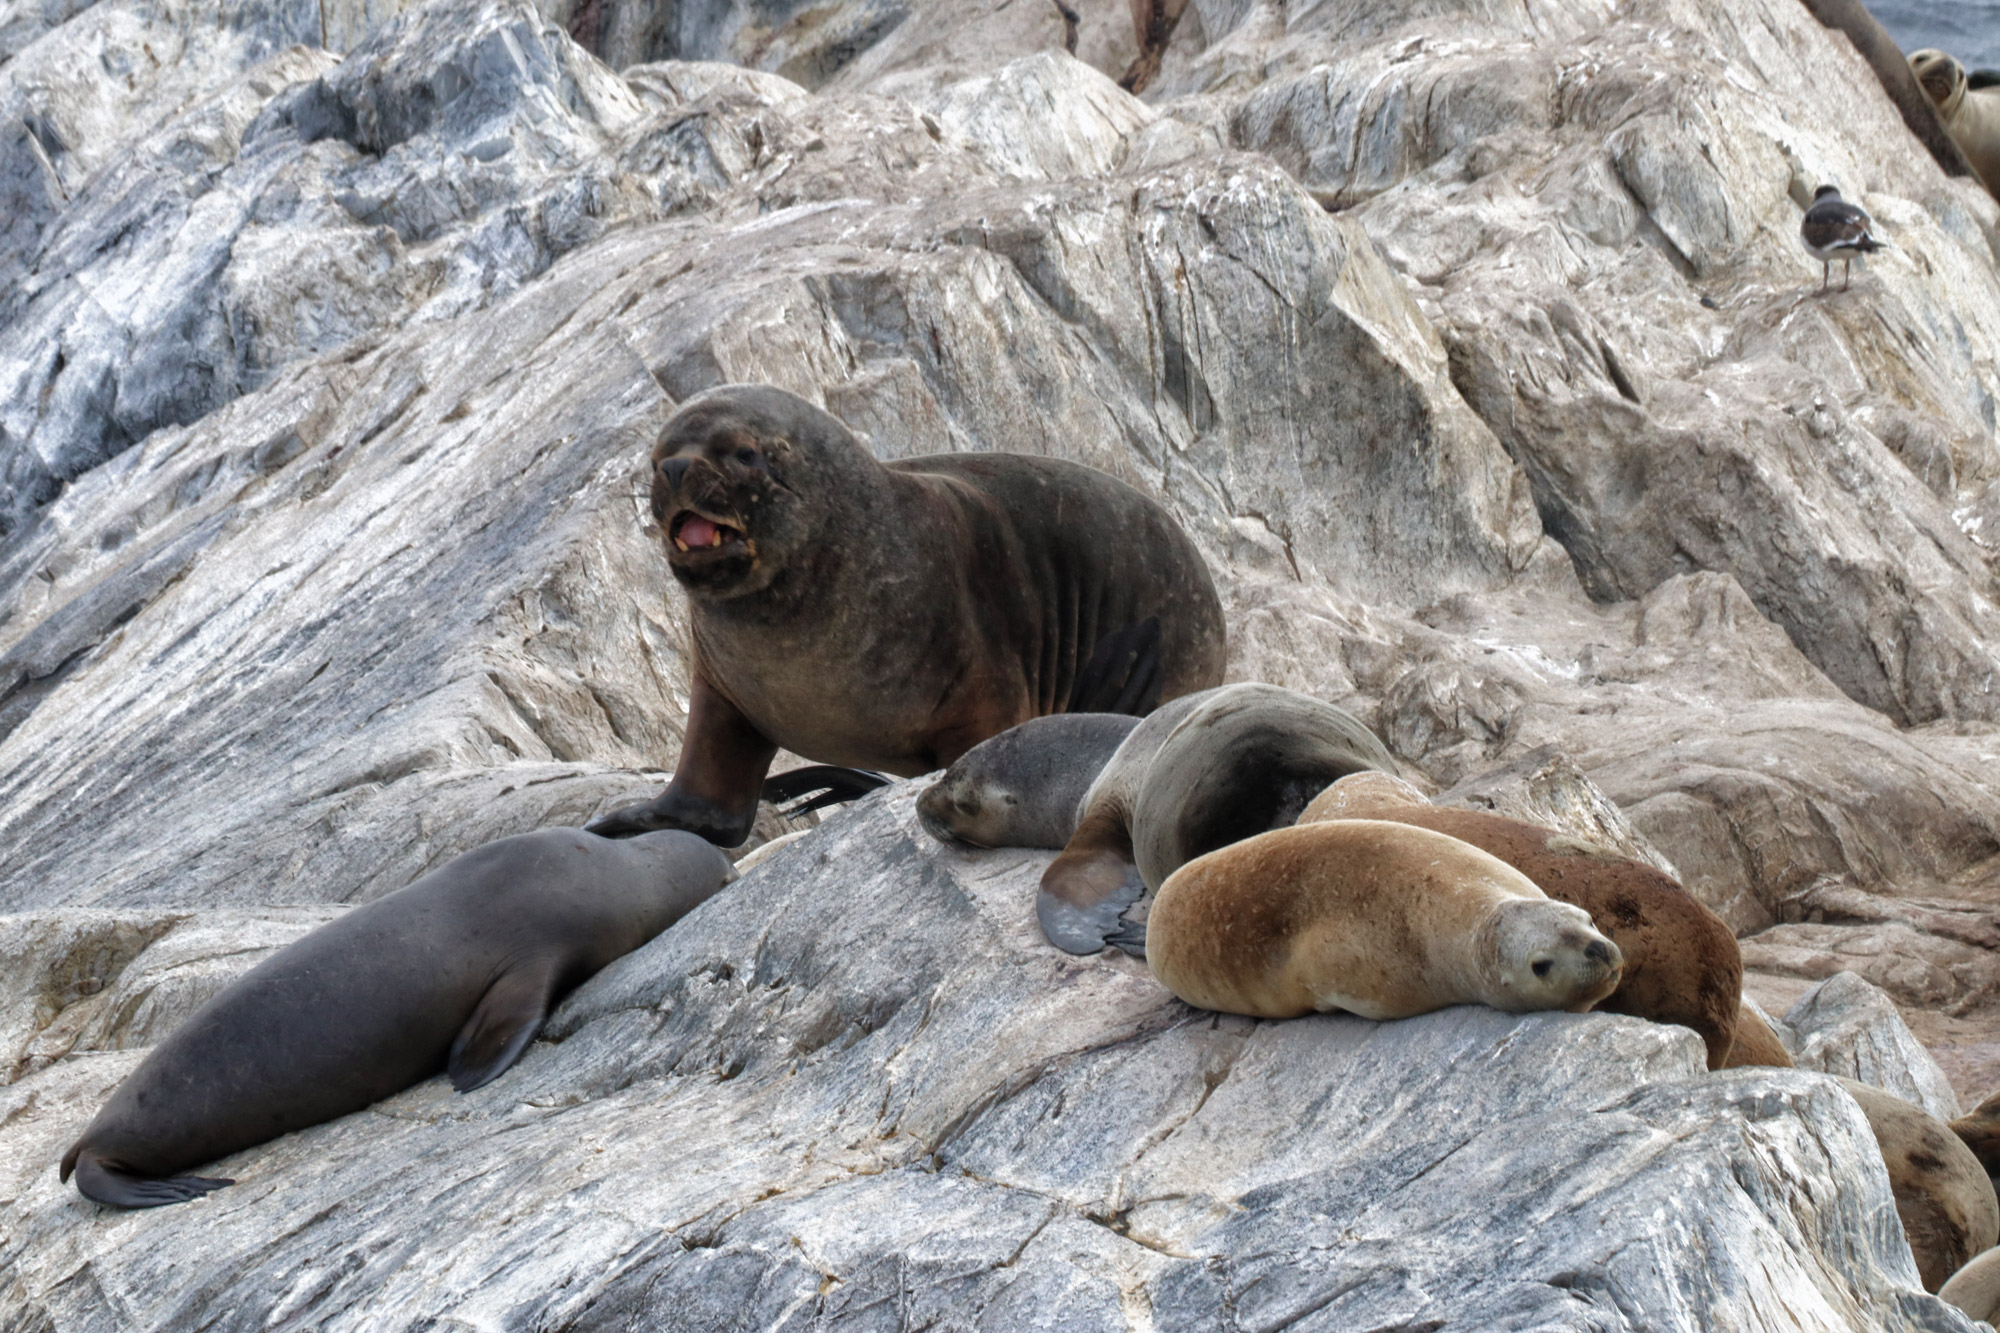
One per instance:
(1475,352)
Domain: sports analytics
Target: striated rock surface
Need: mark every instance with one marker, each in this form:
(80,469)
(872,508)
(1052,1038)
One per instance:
(1471,343)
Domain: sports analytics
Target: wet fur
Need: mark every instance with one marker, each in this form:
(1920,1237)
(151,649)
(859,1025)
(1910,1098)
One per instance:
(455,973)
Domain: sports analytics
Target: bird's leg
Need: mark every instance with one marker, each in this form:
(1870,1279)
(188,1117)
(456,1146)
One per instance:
(1846,273)
(1825,274)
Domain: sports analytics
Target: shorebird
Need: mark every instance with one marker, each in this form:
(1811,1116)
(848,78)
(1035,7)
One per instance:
(1835,229)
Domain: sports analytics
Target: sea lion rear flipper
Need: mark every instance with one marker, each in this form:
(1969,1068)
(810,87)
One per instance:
(1082,899)
(107,1184)
(1130,935)
(1123,674)
(820,785)
(506,1020)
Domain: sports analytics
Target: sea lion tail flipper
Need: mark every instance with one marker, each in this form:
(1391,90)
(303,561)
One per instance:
(1123,674)
(817,786)
(507,1018)
(1082,899)
(107,1184)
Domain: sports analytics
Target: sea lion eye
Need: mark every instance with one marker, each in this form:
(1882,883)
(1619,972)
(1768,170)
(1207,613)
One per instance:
(747,457)
(1541,967)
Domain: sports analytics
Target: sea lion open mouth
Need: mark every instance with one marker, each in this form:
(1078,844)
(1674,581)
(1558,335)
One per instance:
(690,531)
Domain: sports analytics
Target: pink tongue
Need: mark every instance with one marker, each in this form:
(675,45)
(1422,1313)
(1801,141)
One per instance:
(697,531)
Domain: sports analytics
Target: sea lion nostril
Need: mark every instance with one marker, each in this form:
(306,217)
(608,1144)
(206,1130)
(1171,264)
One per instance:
(1597,951)
(673,469)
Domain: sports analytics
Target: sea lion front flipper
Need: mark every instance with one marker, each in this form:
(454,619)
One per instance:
(107,1184)
(717,783)
(820,785)
(1123,674)
(506,1020)
(1130,936)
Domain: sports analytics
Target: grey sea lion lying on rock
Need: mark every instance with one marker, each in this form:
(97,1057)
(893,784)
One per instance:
(892,616)
(454,972)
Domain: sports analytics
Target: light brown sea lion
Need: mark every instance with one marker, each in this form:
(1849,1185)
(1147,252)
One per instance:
(1379,919)
(1682,964)
(892,616)
(455,973)
(1980,1129)
(1219,767)
(1946,1202)
(1975,1288)
(1892,71)
(1971,116)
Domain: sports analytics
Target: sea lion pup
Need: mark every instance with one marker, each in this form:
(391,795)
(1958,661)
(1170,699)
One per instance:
(1382,920)
(1682,964)
(1022,787)
(1975,1288)
(1942,1194)
(892,616)
(1980,1130)
(454,972)
(1236,761)
(1885,58)
(1971,116)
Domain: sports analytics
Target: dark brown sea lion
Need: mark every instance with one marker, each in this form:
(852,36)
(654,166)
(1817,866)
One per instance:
(455,972)
(892,616)
(1756,1044)
(1892,71)
(1682,964)
(1946,1202)
(1211,770)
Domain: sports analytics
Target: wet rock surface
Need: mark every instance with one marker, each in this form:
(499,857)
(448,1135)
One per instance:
(1474,348)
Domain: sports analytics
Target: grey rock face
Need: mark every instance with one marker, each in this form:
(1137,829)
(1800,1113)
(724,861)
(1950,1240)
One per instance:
(331,345)
(858,1076)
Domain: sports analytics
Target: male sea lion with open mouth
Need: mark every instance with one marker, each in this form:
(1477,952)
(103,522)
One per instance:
(892,616)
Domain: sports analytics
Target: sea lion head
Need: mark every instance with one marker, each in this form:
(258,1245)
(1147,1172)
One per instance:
(1942,77)
(1543,954)
(967,806)
(739,476)
(1362,796)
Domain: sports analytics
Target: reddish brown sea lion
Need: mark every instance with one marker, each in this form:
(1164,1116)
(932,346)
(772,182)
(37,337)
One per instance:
(892,616)
(1682,964)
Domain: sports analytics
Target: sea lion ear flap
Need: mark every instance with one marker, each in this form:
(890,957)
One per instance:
(1123,674)
(506,1020)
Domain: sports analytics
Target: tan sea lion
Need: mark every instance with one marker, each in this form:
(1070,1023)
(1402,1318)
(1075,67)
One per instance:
(1227,764)
(1971,116)
(892,616)
(1946,1202)
(1682,964)
(1885,58)
(1379,919)
(1975,1288)
(455,973)
(1980,1129)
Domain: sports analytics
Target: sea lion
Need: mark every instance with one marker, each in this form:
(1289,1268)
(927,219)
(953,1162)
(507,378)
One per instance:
(1975,1288)
(1022,787)
(1755,1043)
(1946,1202)
(892,616)
(1971,116)
(454,972)
(1233,762)
(1980,1129)
(1885,58)
(1382,920)
(1682,964)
